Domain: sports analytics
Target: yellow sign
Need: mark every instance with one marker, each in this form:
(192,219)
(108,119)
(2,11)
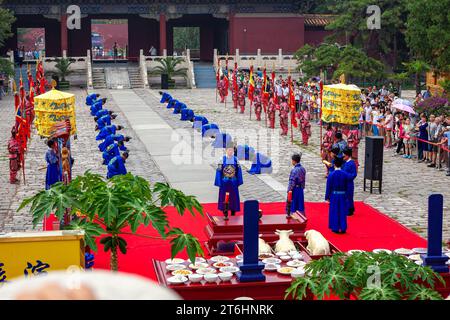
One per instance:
(53,107)
(341,104)
(36,253)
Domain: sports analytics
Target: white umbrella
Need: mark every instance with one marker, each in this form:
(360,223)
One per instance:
(403,105)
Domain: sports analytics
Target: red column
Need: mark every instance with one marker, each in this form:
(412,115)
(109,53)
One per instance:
(64,34)
(231,46)
(162,33)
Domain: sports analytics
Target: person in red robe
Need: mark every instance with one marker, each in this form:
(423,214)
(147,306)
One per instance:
(241,98)
(223,88)
(14,150)
(284,117)
(305,125)
(258,105)
(271,110)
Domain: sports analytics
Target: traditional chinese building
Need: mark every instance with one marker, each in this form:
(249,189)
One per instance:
(227,25)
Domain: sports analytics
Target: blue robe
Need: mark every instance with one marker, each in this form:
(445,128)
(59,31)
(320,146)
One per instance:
(210,129)
(222,141)
(187,114)
(172,104)
(104,121)
(91,99)
(199,122)
(228,179)
(178,107)
(261,164)
(109,140)
(53,173)
(349,168)
(165,97)
(101,113)
(337,194)
(110,152)
(116,166)
(96,107)
(297,181)
(245,152)
(106,131)
(342,145)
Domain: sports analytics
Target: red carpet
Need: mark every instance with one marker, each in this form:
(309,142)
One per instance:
(368,229)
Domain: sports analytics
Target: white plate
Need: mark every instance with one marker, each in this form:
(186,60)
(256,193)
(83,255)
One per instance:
(415,257)
(177,279)
(265,256)
(271,267)
(403,251)
(285,270)
(220,259)
(219,265)
(183,272)
(174,261)
(271,260)
(174,267)
(198,265)
(420,250)
(350,252)
(296,263)
(381,250)
(229,269)
(200,260)
(206,270)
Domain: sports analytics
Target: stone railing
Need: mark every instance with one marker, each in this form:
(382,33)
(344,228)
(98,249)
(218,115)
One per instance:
(150,62)
(143,68)
(191,74)
(279,62)
(90,84)
(79,64)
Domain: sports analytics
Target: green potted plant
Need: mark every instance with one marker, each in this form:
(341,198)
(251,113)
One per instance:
(168,69)
(63,69)
(366,276)
(105,208)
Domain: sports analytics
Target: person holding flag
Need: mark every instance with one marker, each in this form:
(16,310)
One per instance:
(284,116)
(291,101)
(235,88)
(241,98)
(258,105)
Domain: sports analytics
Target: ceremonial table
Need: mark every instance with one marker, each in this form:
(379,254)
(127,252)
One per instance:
(272,289)
(221,232)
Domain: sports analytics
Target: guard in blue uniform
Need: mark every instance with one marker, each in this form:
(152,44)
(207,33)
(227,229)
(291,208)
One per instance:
(119,138)
(349,167)
(110,152)
(297,182)
(261,164)
(199,122)
(108,130)
(104,121)
(245,153)
(228,179)
(117,166)
(187,115)
(165,97)
(92,98)
(210,130)
(337,195)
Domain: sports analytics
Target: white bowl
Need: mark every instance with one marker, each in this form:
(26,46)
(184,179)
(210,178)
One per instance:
(211,277)
(195,277)
(225,276)
(293,252)
(298,273)
(281,253)
(271,267)
(285,258)
(297,256)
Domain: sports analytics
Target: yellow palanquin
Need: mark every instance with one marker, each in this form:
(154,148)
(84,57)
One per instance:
(341,104)
(53,107)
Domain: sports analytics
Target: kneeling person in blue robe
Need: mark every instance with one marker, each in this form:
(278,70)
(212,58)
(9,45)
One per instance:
(97,106)
(117,165)
(107,131)
(228,179)
(261,164)
(165,97)
(92,98)
(297,182)
(104,121)
(187,115)
(349,167)
(210,130)
(120,139)
(110,152)
(199,122)
(337,195)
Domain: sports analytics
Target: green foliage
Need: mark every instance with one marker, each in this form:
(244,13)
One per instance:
(105,207)
(428,32)
(6,20)
(63,67)
(6,67)
(345,276)
(186,38)
(169,66)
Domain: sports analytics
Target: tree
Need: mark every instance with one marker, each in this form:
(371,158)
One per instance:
(6,20)
(354,63)
(417,68)
(106,207)
(428,32)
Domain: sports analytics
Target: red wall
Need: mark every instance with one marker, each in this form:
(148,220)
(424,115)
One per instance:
(267,33)
(315,37)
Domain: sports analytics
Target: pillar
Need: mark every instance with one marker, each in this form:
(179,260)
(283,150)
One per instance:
(162,33)
(64,34)
(231,46)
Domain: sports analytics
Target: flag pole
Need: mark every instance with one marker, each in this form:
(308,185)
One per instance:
(289,102)
(264,93)
(320,115)
(226,67)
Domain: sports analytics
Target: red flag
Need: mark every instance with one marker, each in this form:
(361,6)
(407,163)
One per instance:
(292,102)
(235,84)
(251,85)
(273,86)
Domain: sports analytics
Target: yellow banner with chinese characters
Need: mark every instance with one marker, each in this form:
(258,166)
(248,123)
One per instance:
(25,254)
(53,107)
(341,104)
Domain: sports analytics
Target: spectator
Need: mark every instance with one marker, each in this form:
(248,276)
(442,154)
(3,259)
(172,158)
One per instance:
(422,127)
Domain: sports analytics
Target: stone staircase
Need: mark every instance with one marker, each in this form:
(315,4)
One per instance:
(205,76)
(98,78)
(134,74)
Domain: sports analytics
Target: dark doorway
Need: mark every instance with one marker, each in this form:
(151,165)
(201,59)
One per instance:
(213,33)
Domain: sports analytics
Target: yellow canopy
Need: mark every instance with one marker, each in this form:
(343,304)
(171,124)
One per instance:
(52,107)
(341,104)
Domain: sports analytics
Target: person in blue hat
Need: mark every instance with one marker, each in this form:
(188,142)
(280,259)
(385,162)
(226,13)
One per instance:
(108,130)
(297,181)
(337,194)
(228,179)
